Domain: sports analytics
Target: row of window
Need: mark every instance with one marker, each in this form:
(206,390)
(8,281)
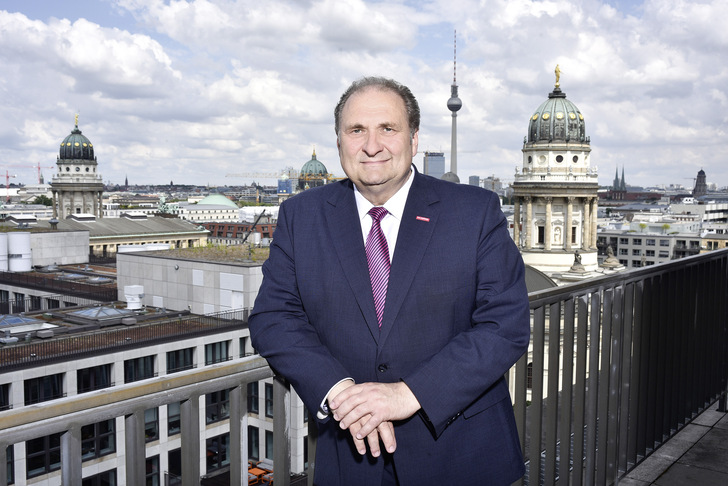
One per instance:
(43,455)
(50,387)
(648,242)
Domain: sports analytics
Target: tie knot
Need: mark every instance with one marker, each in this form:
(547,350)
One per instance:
(377,213)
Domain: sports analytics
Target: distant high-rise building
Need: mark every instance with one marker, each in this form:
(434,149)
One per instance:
(701,187)
(434,164)
(474,180)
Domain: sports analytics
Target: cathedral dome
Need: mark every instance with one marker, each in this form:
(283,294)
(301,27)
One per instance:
(76,147)
(313,167)
(557,120)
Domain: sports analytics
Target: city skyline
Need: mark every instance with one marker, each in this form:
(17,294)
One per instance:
(190,91)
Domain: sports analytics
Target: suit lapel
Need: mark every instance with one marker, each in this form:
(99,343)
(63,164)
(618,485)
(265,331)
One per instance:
(418,222)
(343,220)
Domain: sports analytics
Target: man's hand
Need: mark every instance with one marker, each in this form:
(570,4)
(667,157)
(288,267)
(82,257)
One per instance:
(369,408)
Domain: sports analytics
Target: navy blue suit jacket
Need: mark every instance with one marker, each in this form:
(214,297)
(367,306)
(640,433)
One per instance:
(456,319)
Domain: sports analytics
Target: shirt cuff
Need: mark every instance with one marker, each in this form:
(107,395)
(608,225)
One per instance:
(323,410)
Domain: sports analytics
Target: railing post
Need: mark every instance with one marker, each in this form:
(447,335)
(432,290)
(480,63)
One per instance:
(312,438)
(4,464)
(281,431)
(238,435)
(135,445)
(71,463)
(190,431)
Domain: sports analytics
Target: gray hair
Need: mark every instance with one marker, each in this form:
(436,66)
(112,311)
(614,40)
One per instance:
(383,84)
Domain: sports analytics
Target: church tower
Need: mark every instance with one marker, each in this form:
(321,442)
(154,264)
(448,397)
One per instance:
(77,187)
(555,192)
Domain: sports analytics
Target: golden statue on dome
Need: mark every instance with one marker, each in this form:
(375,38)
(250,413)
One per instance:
(557,71)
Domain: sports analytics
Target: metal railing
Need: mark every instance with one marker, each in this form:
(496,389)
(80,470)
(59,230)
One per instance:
(68,415)
(620,364)
(100,293)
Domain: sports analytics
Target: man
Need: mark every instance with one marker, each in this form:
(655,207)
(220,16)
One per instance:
(396,325)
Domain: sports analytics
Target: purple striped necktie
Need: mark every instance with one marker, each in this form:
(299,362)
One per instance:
(378,259)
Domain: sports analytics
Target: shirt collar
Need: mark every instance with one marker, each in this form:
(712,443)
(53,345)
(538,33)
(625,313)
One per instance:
(395,204)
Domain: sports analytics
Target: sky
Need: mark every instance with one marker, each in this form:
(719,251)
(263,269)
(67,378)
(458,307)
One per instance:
(223,92)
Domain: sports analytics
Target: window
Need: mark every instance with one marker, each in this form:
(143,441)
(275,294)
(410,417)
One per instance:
(43,455)
(623,251)
(107,478)
(253,443)
(174,466)
(139,369)
(650,242)
(664,242)
(636,263)
(664,254)
(541,235)
(173,420)
(217,406)
(43,389)
(152,474)
(573,235)
(216,352)
(98,439)
(268,400)
(636,252)
(94,378)
(253,398)
(10,456)
(217,452)
(637,241)
(650,253)
(180,360)
(5,397)
(623,241)
(243,352)
(151,424)
(268,444)
(529,376)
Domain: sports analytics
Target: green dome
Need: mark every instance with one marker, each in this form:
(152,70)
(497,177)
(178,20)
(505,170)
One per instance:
(314,167)
(218,200)
(557,120)
(76,147)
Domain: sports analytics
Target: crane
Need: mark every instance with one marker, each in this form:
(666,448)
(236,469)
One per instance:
(7,185)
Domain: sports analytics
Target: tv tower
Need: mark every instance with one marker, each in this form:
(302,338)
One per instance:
(454,104)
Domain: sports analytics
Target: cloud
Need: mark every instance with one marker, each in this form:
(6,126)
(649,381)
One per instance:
(194,89)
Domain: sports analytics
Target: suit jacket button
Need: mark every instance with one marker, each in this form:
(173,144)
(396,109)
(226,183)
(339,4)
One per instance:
(382,368)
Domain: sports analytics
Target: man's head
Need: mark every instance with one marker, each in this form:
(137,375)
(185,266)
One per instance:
(384,84)
(377,124)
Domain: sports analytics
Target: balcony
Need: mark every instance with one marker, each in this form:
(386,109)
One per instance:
(646,352)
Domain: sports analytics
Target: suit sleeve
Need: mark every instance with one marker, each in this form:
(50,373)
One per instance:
(280,330)
(466,375)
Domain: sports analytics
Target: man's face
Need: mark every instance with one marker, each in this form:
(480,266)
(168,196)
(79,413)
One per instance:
(374,143)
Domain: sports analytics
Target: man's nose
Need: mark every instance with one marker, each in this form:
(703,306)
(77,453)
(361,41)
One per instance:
(372,145)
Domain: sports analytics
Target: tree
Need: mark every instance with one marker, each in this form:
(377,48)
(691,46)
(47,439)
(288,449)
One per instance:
(44,200)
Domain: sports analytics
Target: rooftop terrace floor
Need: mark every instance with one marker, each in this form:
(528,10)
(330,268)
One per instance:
(697,455)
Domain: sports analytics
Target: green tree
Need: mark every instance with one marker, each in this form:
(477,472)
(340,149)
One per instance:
(45,200)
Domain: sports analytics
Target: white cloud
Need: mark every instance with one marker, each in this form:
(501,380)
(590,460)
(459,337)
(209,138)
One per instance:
(200,88)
